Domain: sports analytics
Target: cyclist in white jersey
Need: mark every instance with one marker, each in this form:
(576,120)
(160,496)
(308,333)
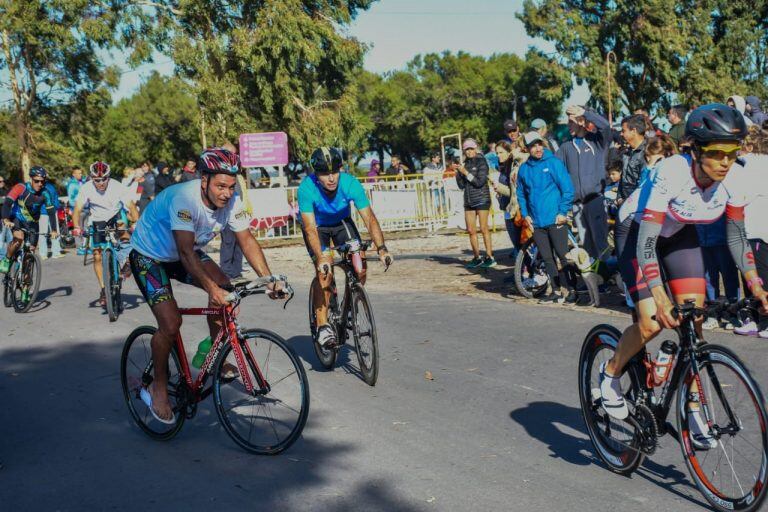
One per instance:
(107,200)
(167,244)
(657,238)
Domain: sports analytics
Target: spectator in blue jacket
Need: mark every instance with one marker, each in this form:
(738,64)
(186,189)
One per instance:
(45,226)
(545,196)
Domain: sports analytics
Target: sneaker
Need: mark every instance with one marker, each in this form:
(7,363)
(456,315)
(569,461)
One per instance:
(57,256)
(763,334)
(5,264)
(474,262)
(710,324)
(572,297)
(326,336)
(25,295)
(552,298)
(488,262)
(700,436)
(103,298)
(747,329)
(611,395)
(43,257)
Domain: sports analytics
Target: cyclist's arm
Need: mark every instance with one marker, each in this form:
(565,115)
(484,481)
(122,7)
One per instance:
(647,259)
(253,252)
(10,199)
(185,243)
(372,223)
(77,213)
(50,209)
(310,230)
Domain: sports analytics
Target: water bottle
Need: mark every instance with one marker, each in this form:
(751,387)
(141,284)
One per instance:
(202,351)
(664,359)
(357,259)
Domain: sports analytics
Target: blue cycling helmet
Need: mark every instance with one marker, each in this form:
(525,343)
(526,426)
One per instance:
(38,172)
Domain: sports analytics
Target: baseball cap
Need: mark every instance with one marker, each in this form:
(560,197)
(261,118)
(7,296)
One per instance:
(538,123)
(510,125)
(532,137)
(469,144)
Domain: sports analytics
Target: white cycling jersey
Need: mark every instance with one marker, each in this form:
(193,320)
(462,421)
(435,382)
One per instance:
(104,205)
(180,208)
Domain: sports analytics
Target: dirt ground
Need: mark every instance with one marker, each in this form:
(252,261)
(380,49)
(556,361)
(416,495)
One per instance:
(431,263)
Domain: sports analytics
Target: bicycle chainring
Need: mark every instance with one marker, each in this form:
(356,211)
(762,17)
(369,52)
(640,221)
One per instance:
(185,399)
(647,436)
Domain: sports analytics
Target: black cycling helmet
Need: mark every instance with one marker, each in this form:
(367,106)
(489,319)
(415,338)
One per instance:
(325,160)
(219,161)
(716,122)
(38,171)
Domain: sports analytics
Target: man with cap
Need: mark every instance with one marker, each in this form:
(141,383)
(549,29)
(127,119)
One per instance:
(540,126)
(584,157)
(512,130)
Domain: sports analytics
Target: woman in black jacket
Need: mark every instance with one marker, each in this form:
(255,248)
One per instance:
(472,178)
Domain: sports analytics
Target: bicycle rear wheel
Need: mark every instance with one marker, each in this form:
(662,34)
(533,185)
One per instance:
(267,421)
(26,283)
(136,373)
(732,475)
(327,356)
(613,439)
(111,283)
(364,332)
(531,277)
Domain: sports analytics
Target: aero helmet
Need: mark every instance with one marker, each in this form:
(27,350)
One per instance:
(716,122)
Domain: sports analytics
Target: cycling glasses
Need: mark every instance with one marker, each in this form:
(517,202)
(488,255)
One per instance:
(721,150)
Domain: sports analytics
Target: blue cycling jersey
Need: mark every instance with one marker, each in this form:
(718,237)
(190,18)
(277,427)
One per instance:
(330,211)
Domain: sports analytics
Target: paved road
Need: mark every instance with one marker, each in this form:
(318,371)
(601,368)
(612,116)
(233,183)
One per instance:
(497,429)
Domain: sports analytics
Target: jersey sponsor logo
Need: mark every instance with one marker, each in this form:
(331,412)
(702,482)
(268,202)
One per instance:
(184,215)
(241,215)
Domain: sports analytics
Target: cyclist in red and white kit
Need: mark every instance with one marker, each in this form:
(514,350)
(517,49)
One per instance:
(657,242)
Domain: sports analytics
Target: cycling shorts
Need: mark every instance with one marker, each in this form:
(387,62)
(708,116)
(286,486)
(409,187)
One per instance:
(333,236)
(98,237)
(34,227)
(680,256)
(154,277)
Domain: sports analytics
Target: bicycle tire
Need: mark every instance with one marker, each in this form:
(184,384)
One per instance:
(111,289)
(711,356)
(8,287)
(327,356)
(133,378)
(615,456)
(369,367)
(29,262)
(524,262)
(269,345)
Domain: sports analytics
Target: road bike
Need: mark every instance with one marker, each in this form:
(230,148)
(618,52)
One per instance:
(263,406)
(351,312)
(22,282)
(732,474)
(110,270)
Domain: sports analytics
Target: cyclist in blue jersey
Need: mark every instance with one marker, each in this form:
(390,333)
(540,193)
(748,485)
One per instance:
(325,200)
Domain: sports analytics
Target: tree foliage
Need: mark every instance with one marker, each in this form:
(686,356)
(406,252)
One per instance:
(692,51)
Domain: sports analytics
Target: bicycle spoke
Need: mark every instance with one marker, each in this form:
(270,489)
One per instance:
(733,470)
(273,384)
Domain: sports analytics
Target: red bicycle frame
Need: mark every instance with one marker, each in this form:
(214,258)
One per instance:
(228,331)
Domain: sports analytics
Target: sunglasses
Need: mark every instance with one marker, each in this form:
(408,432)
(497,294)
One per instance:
(100,180)
(719,154)
(38,181)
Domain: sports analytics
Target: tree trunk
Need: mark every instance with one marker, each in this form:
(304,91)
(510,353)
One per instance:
(25,151)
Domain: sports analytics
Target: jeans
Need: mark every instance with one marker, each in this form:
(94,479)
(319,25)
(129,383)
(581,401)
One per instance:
(719,263)
(45,229)
(592,222)
(5,237)
(514,233)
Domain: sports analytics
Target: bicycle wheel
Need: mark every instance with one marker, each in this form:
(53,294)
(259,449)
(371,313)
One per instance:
(266,421)
(613,439)
(111,283)
(364,332)
(327,356)
(531,277)
(8,286)
(136,373)
(732,475)
(26,283)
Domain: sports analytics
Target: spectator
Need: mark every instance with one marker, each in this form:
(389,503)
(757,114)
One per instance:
(506,190)
(676,117)
(164,178)
(540,126)
(472,178)
(740,104)
(189,172)
(45,226)
(452,168)
(611,190)
(490,156)
(433,175)
(754,112)
(146,186)
(545,196)
(633,131)
(584,158)
(512,130)
(396,167)
(73,185)
(3,188)
(374,171)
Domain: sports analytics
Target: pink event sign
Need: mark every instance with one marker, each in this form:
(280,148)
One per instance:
(263,149)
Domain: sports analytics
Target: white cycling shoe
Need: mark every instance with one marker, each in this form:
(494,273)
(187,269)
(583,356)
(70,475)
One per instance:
(700,437)
(325,336)
(611,395)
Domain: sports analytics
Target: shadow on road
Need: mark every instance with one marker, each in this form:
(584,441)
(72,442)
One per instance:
(543,421)
(347,360)
(51,292)
(63,421)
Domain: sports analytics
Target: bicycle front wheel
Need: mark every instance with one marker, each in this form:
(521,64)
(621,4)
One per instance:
(732,474)
(111,284)
(366,339)
(136,373)
(531,278)
(26,283)
(269,419)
